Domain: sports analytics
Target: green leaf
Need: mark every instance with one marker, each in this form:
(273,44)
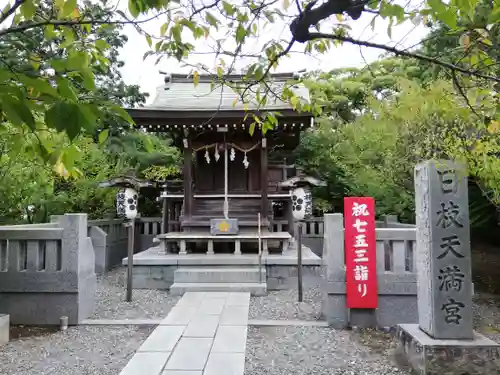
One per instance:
(196,78)
(241,33)
(133,9)
(49,32)
(101,44)
(494,16)
(28,9)
(176,33)
(88,79)
(149,40)
(67,117)
(163,28)
(78,61)
(39,85)
(90,114)
(228,8)
(68,8)
(212,21)
(449,17)
(252,128)
(122,113)
(103,136)
(17,111)
(66,89)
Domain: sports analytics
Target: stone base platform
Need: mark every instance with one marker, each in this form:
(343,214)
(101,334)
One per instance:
(427,356)
(153,269)
(4,329)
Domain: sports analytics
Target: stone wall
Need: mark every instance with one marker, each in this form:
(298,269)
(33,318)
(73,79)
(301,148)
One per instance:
(395,273)
(47,272)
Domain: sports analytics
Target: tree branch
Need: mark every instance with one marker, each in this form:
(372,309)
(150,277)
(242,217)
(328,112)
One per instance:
(399,52)
(34,25)
(461,91)
(11,10)
(312,16)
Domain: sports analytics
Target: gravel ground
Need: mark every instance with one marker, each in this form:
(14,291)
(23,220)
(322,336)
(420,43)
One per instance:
(80,350)
(146,304)
(284,305)
(487,315)
(318,351)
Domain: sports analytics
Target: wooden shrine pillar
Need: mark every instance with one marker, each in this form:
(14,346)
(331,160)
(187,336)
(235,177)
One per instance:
(263,179)
(164,213)
(188,178)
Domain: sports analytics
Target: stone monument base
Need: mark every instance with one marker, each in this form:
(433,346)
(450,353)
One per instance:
(4,329)
(427,356)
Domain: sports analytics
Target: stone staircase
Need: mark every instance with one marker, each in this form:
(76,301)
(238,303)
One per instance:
(219,279)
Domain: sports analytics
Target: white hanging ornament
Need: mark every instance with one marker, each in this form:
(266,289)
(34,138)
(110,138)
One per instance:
(207,156)
(216,154)
(246,163)
(232,155)
(126,203)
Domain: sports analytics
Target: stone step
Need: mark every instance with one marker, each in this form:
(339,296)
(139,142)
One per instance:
(256,289)
(219,275)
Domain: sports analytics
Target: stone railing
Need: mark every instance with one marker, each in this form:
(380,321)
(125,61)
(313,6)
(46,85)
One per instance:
(109,236)
(110,240)
(47,271)
(396,276)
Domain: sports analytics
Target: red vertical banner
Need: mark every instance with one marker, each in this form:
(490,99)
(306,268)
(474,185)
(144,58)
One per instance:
(360,253)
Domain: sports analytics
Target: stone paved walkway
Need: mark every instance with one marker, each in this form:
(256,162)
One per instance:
(204,334)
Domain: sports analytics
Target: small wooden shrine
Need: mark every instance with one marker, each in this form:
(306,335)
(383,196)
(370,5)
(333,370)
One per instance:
(229,175)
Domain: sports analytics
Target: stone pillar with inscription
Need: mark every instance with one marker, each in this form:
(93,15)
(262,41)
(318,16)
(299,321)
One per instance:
(444,331)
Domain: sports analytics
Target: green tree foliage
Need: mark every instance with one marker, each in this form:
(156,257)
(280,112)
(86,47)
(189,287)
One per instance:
(33,189)
(46,92)
(237,30)
(473,44)
(346,92)
(375,154)
(59,71)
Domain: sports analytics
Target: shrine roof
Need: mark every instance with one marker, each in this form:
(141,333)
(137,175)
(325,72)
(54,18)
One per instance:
(180,94)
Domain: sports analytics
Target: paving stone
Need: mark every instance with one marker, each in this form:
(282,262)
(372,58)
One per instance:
(190,354)
(238,299)
(179,315)
(163,339)
(230,339)
(225,364)
(234,315)
(180,372)
(146,363)
(212,305)
(192,298)
(202,325)
(218,294)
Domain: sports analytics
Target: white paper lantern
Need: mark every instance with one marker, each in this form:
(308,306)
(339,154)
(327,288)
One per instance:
(301,203)
(126,203)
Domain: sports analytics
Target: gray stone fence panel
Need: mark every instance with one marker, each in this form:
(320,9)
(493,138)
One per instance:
(110,241)
(396,275)
(47,272)
(147,229)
